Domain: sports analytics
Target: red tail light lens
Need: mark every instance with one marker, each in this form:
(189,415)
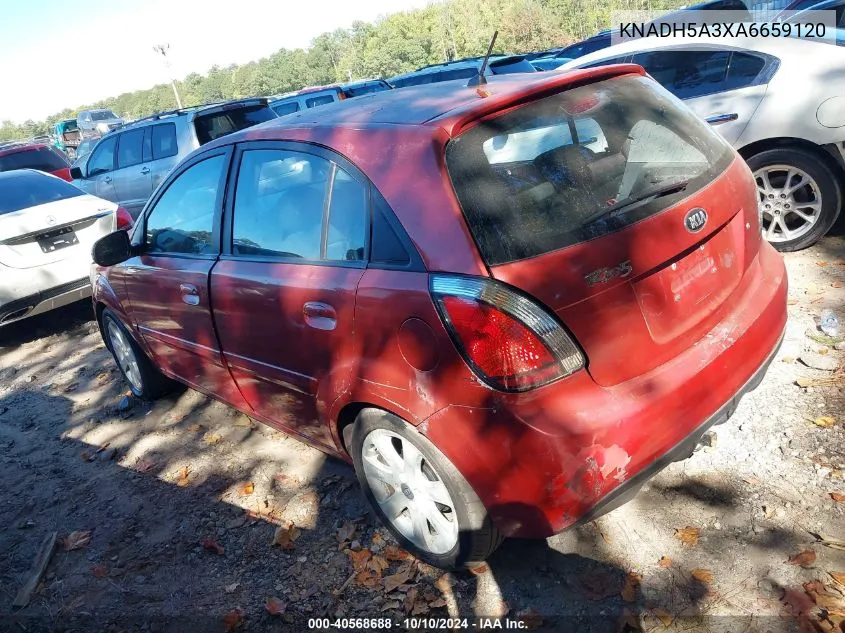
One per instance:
(510,342)
(124,219)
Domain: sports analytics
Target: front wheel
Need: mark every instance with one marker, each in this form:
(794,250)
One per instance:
(145,381)
(417,493)
(799,197)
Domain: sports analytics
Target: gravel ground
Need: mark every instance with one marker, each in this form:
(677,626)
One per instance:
(168,513)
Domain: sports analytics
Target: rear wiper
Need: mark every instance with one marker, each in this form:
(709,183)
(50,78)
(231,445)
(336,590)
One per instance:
(656,192)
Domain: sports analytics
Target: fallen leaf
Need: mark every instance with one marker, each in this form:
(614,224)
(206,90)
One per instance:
(836,284)
(825,421)
(822,264)
(98,571)
(792,302)
(437,603)
(360,558)
(275,606)
(194,428)
(285,536)
(286,480)
(600,584)
(378,564)
(803,559)
(788,360)
(234,619)
(632,583)
(377,539)
(368,578)
(830,601)
(804,382)
(838,497)
(103,377)
(838,576)
(704,576)
(346,532)
(410,598)
(420,608)
(247,489)
(688,535)
(183,477)
(665,562)
(399,578)
(797,602)
(391,552)
(663,615)
(144,465)
(530,619)
(212,546)
(390,605)
(75,540)
(244,422)
(211,438)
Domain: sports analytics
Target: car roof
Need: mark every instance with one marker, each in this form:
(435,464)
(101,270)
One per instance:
(23,147)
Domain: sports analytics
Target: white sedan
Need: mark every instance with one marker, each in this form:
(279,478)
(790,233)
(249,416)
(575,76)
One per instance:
(780,101)
(47,229)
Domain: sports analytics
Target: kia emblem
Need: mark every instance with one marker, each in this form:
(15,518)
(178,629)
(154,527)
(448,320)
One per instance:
(695,219)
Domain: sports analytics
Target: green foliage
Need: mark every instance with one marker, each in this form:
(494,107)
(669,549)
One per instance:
(398,43)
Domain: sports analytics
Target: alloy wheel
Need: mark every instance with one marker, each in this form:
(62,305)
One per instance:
(409,491)
(790,202)
(125,355)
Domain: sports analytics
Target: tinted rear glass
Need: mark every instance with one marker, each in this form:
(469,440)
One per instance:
(578,165)
(40,158)
(220,123)
(288,107)
(313,102)
(26,189)
(511,65)
(364,89)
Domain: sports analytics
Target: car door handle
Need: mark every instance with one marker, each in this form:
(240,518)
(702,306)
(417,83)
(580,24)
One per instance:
(320,316)
(722,118)
(107,179)
(190,294)
(145,170)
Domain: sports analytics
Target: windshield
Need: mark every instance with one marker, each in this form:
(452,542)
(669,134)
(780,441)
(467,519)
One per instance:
(40,158)
(220,123)
(24,189)
(579,164)
(103,115)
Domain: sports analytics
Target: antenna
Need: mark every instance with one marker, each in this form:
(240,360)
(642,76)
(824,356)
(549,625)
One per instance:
(479,79)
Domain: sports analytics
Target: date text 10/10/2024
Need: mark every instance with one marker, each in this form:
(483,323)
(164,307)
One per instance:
(414,624)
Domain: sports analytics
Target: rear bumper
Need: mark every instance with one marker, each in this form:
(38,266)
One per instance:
(545,460)
(44,301)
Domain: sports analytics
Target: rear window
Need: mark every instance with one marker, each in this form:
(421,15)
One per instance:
(364,89)
(26,189)
(288,107)
(578,165)
(220,123)
(313,102)
(40,158)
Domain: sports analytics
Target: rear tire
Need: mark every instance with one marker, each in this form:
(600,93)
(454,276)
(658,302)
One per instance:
(144,380)
(819,199)
(402,473)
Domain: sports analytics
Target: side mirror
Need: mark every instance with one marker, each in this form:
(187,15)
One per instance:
(112,249)
(76,173)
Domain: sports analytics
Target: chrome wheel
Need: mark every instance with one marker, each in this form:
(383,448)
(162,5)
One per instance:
(409,492)
(790,202)
(125,355)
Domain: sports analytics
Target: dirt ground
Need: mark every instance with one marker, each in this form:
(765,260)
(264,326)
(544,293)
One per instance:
(167,513)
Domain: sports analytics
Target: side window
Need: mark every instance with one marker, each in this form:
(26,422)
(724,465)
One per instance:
(130,148)
(605,62)
(313,102)
(102,158)
(288,107)
(686,74)
(164,141)
(182,220)
(346,238)
(743,70)
(279,203)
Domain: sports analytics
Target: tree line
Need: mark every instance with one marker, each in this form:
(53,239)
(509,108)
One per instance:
(394,44)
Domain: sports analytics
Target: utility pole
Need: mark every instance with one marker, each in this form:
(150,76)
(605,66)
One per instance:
(162,50)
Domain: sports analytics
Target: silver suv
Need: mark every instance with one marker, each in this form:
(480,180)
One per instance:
(93,123)
(128,164)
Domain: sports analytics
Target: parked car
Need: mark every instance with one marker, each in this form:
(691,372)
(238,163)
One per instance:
(95,123)
(84,149)
(506,311)
(793,140)
(549,63)
(47,229)
(34,156)
(127,165)
(463,69)
(316,96)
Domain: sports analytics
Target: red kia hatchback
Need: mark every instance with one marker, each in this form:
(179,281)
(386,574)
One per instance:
(35,156)
(506,305)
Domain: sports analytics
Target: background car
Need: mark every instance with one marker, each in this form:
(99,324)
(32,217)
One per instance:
(506,322)
(47,229)
(34,156)
(323,95)
(463,69)
(127,165)
(83,150)
(793,140)
(97,122)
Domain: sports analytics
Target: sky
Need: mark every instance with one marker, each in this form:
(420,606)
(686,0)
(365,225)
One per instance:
(57,54)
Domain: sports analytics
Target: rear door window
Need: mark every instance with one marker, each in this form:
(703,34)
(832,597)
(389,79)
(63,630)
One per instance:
(687,74)
(578,165)
(130,148)
(164,141)
(231,119)
(40,158)
(102,158)
(743,70)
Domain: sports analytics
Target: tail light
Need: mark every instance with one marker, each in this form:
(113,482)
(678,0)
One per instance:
(510,342)
(124,219)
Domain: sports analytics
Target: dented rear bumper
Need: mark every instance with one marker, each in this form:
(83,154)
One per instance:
(545,460)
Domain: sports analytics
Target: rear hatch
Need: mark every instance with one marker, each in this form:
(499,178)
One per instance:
(44,220)
(216,121)
(617,208)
